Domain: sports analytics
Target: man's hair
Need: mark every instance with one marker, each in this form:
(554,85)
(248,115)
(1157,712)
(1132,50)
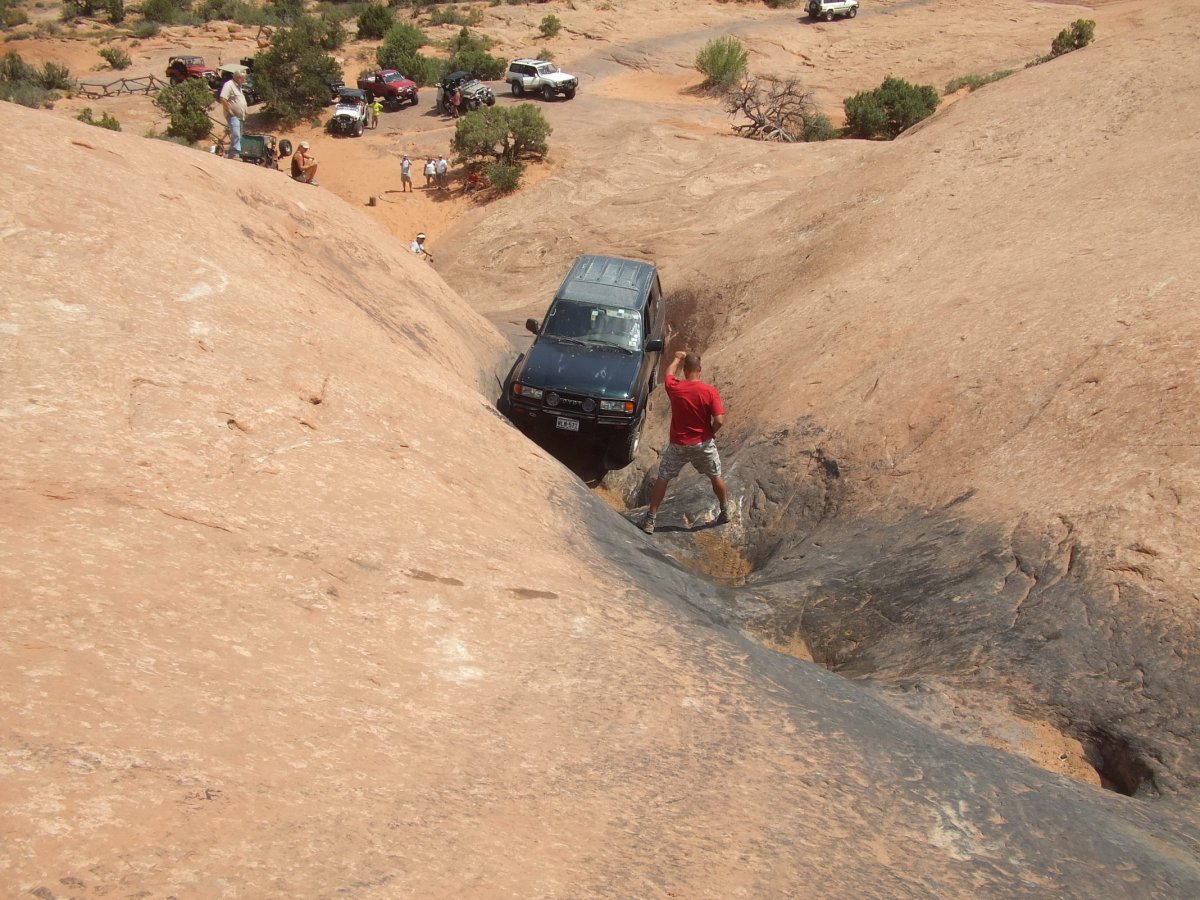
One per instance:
(691,362)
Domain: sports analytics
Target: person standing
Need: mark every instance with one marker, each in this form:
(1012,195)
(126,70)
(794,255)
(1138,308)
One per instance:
(430,172)
(405,174)
(456,103)
(697,414)
(418,247)
(233,104)
(376,110)
(443,168)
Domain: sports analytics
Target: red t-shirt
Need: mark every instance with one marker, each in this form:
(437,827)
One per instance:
(693,404)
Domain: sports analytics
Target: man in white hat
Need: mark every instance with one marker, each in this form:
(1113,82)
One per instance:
(304,164)
(418,247)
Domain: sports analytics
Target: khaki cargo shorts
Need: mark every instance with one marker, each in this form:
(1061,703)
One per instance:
(703,456)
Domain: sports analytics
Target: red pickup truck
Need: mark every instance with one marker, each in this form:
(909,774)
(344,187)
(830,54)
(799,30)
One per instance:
(390,86)
(181,68)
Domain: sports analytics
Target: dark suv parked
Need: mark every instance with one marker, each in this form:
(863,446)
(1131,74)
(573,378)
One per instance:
(594,361)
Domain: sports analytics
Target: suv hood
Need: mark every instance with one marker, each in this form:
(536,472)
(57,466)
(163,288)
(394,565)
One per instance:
(346,109)
(559,78)
(592,369)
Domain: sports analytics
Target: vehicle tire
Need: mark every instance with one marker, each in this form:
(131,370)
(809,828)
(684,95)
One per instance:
(623,452)
(491,101)
(829,15)
(517,90)
(358,130)
(570,95)
(547,93)
(414,102)
(853,11)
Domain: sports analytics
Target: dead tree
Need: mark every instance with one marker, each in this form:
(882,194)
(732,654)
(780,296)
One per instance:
(777,109)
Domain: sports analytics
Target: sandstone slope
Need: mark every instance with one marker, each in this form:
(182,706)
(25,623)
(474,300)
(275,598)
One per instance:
(290,612)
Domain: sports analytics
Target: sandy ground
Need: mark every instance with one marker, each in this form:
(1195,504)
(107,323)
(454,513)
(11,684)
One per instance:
(638,57)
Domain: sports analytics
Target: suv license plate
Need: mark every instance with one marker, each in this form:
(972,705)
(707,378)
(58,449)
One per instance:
(567,424)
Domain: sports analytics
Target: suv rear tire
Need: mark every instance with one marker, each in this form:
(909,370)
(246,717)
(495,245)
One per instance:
(853,11)
(517,90)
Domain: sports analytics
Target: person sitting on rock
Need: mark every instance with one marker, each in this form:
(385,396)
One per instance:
(304,164)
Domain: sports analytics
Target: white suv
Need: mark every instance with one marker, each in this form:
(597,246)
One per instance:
(827,9)
(536,76)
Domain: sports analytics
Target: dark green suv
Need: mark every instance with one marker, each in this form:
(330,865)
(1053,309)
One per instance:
(593,364)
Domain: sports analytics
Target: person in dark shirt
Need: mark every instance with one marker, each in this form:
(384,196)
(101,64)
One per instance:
(697,414)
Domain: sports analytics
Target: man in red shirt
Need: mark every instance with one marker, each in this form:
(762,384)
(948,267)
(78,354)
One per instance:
(696,416)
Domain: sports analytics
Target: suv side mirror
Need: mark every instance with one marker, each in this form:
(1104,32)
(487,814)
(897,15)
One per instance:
(653,345)
(531,325)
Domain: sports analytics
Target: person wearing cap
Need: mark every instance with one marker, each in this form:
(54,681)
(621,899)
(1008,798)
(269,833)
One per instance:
(406,174)
(304,164)
(418,247)
(376,107)
(233,104)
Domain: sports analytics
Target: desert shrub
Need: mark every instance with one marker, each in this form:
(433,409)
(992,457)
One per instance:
(186,104)
(449,15)
(288,12)
(402,38)
(55,77)
(777,109)
(74,9)
(105,120)
(399,51)
(501,133)
(505,176)
(116,57)
(484,65)
(1080,33)
(783,4)
(116,11)
(374,22)
(12,16)
(889,109)
(547,54)
(722,62)
(293,74)
(144,30)
(820,128)
(465,40)
(975,82)
(163,12)
(550,26)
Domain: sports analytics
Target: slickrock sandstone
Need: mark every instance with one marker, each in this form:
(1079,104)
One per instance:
(288,610)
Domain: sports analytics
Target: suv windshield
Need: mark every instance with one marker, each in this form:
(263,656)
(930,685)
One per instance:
(547,69)
(591,324)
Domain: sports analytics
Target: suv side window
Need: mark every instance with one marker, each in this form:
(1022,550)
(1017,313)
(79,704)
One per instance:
(652,307)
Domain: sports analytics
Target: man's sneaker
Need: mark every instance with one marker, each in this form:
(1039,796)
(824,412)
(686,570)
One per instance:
(726,515)
(648,523)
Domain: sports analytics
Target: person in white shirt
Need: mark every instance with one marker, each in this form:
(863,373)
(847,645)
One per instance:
(233,104)
(418,247)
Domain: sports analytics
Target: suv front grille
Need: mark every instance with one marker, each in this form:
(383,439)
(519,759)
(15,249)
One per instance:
(555,400)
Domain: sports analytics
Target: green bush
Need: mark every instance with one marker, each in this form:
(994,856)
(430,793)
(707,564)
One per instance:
(399,51)
(116,11)
(288,12)
(722,62)
(466,40)
(116,57)
(144,30)
(75,9)
(501,133)
(547,54)
(448,15)
(163,12)
(374,22)
(889,109)
(1080,33)
(293,74)
(187,105)
(12,17)
(505,176)
(819,128)
(105,120)
(975,82)
(550,26)
(484,65)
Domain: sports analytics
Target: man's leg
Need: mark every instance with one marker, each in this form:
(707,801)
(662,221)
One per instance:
(718,485)
(235,137)
(657,493)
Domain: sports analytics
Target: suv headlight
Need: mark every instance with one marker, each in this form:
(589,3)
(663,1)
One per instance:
(529,393)
(619,406)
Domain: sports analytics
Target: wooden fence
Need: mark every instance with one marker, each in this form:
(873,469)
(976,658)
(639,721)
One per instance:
(148,84)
